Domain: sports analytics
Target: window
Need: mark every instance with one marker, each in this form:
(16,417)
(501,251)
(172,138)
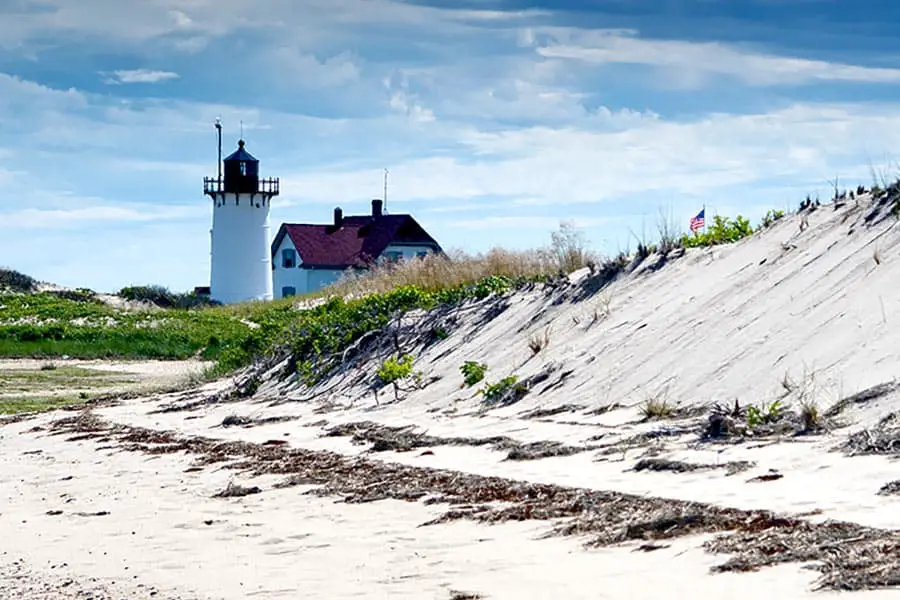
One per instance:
(288,258)
(392,257)
(243,169)
(288,291)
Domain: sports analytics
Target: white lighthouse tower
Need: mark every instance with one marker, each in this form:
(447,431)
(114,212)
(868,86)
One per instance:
(240,260)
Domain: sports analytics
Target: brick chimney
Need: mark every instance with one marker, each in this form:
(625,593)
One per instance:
(338,217)
(377,207)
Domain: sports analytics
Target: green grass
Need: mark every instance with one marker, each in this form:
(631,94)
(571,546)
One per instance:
(48,326)
(24,380)
(45,325)
(10,405)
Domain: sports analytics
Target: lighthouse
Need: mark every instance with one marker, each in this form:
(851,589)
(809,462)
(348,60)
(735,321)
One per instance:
(240,259)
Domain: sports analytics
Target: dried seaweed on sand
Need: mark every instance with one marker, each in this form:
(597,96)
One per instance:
(403,439)
(848,556)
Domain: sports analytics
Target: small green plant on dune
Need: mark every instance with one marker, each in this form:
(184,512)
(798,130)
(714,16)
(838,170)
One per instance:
(506,389)
(396,369)
(722,231)
(763,414)
(472,372)
(770,218)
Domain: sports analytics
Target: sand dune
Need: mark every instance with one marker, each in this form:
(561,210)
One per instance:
(127,493)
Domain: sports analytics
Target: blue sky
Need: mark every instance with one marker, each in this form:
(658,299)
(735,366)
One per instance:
(497,119)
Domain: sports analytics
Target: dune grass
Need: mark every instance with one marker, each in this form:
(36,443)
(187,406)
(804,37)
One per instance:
(567,252)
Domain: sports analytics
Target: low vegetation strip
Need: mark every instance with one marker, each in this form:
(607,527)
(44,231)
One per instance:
(848,556)
(45,324)
(153,322)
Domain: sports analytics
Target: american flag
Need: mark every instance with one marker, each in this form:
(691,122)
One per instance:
(697,222)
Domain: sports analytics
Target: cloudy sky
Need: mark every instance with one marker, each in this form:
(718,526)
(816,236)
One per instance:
(496,118)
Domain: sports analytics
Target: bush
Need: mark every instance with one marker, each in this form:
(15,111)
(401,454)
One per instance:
(472,372)
(78,295)
(16,282)
(163,297)
(507,390)
(770,218)
(154,294)
(722,231)
(395,369)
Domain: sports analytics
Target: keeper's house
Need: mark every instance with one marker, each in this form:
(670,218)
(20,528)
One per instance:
(307,257)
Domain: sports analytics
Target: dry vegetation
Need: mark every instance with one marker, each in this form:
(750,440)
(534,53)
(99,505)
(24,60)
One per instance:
(567,252)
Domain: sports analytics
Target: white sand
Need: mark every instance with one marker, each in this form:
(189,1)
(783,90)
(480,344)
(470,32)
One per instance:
(715,325)
(281,544)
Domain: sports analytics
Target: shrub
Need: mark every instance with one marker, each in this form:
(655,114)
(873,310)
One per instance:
(164,298)
(395,369)
(16,282)
(319,336)
(473,372)
(722,231)
(770,218)
(155,294)
(77,295)
(504,391)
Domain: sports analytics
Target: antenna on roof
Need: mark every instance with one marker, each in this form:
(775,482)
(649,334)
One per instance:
(385,189)
(219,130)
(242,129)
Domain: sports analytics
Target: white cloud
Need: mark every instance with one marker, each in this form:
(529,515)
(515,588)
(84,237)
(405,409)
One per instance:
(306,70)
(687,62)
(90,216)
(140,76)
(538,223)
(555,166)
(408,105)
(192,24)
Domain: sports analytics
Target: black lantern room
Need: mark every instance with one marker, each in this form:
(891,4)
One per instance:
(241,176)
(241,172)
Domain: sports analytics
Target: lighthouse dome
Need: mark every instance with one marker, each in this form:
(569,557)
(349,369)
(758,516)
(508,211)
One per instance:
(241,171)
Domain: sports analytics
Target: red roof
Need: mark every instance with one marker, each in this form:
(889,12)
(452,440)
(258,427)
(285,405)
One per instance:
(359,241)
